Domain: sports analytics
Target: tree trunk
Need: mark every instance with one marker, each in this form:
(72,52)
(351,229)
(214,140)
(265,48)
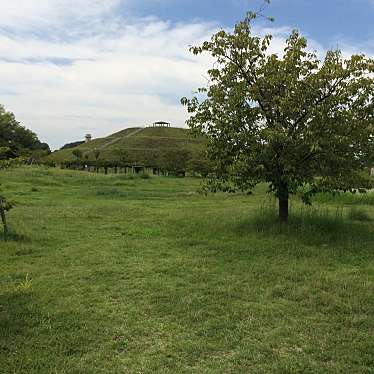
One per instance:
(283,209)
(3,220)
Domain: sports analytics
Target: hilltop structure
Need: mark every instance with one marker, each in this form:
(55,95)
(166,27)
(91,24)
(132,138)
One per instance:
(161,124)
(88,138)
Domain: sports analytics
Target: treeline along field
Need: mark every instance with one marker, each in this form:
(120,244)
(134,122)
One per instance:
(119,274)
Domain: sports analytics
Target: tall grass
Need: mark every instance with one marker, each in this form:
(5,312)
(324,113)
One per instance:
(313,225)
(346,198)
(359,214)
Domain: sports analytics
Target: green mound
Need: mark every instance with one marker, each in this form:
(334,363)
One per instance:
(143,146)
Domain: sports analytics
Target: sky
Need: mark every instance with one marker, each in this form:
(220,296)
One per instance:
(71,67)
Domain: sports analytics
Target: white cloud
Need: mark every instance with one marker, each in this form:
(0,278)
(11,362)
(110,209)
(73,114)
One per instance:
(100,81)
(28,14)
(68,67)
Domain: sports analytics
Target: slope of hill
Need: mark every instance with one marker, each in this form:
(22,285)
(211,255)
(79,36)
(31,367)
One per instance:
(143,146)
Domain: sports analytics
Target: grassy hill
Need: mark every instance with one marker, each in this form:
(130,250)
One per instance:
(137,145)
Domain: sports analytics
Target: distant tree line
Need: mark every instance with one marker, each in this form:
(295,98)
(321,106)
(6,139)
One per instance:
(176,162)
(72,145)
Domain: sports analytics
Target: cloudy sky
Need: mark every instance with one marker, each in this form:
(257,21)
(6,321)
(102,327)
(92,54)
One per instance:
(69,67)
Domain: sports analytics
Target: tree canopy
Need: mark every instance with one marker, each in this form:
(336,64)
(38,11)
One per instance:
(18,140)
(291,119)
(72,145)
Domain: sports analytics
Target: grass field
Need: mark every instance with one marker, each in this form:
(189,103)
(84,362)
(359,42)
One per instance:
(107,274)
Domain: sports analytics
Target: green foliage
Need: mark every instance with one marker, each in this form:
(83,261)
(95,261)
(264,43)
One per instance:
(12,162)
(199,166)
(78,154)
(284,120)
(72,145)
(5,153)
(18,140)
(175,161)
(5,206)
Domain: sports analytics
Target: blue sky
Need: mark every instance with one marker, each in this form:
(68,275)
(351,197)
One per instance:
(324,20)
(327,21)
(68,67)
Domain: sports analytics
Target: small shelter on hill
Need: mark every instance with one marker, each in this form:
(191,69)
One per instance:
(161,124)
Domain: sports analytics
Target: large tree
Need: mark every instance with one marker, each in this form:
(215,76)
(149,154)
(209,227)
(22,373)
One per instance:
(16,142)
(5,205)
(19,140)
(289,119)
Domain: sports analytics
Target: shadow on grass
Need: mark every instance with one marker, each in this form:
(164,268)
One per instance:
(12,236)
(311,226)
(14,316)
(110,192)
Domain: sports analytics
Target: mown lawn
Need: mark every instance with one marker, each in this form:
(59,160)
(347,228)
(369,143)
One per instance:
(105,274)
